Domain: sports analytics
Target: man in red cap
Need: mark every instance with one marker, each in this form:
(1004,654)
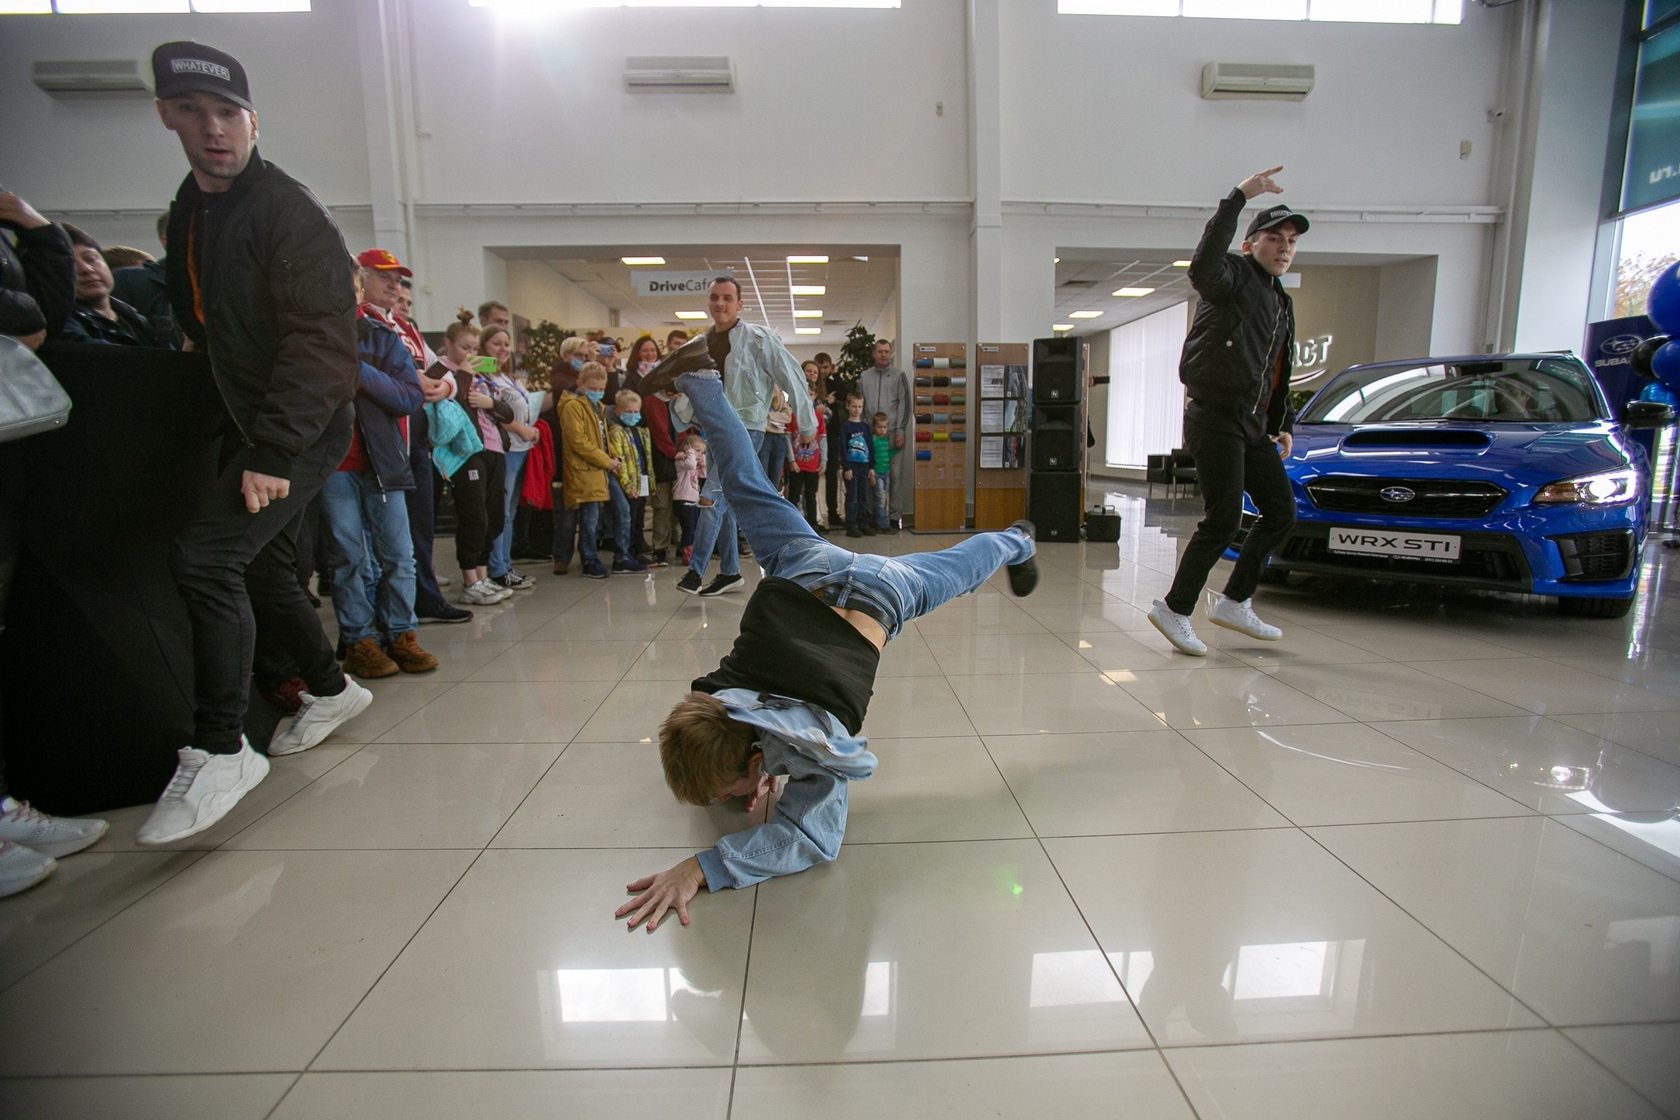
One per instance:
(382,275)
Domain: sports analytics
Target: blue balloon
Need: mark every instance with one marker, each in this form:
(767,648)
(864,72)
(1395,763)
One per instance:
(1663,304)
(1665,364)
(1662,394)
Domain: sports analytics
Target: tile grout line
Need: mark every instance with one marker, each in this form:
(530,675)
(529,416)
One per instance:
(741,1015)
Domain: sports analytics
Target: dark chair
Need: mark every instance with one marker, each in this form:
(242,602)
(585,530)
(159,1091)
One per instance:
(1159,469)
(1184,470)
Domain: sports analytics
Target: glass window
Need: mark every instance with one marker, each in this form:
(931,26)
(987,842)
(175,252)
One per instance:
(1657,9)
(1653,161)
(1650,243)
(1246,9)
(1376,11)
(1536,391)
(1351,11)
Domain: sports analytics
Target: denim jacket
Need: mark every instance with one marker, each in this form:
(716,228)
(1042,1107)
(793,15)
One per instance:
(756,365)
(819,757)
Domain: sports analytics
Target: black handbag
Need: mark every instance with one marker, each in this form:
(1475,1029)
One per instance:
(31,399)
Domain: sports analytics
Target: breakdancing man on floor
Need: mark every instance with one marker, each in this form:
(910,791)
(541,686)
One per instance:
(791,696)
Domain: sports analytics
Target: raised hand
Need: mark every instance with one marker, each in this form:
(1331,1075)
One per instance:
(1260,183)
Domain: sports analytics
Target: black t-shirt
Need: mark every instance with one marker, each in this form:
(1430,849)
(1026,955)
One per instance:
(717,345)
(793,644)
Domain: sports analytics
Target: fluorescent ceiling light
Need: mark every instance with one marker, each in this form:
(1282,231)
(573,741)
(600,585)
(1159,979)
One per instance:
(543,6)
(863,259)
(807,314)
(807,260)
(808,289)
(642,260)
(1085,315)
(25,7)
(1133,293)
(120,7)
(1181,264)
(1055,260)
(1062,327)
(691,315)
(807,330)
(250,5)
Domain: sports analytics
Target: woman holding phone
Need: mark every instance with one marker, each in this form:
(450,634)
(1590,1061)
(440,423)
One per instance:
(519,435)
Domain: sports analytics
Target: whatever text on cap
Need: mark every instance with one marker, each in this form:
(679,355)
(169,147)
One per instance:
(381,260)
(1274,216)
(187,67)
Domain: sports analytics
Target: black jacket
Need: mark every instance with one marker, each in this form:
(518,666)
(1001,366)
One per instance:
(1243,321)
(41,264)
(129,328)
(279,308)
(145,287)
(388,393)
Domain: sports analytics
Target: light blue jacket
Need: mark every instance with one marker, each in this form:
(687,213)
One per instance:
(757,363)
(453,434)
(819,756)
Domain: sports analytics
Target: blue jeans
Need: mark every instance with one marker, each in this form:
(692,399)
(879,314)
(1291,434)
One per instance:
(584,523)
(857,495)
(883,485)
(716,529)
(773,454)
(899,588)
(501,549)
(369,526)
(620,527)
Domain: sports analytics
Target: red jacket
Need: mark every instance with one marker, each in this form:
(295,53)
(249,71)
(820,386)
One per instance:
(538,489)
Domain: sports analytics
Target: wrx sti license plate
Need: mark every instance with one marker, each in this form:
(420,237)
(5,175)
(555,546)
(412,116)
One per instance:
(1387,542)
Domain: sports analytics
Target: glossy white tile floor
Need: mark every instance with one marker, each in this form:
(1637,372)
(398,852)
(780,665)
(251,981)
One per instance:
(1421,858)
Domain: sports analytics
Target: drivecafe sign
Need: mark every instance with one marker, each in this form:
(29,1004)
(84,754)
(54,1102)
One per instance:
(676,283)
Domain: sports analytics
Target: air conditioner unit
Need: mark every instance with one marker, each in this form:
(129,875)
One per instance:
(679,74)
(79,79)
(1256,81)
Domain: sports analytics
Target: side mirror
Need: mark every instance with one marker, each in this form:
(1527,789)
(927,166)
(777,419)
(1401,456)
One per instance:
(1647,414)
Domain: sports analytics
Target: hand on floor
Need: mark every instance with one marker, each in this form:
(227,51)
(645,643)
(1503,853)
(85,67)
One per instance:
(668,890)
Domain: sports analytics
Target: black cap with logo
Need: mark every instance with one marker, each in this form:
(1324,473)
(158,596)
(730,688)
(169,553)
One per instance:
(187,67)
(1274,216)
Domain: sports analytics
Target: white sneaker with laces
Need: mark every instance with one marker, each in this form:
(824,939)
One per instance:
(21,868)
(205,787)
(1176,629)
(1240,616)
(319,717)
(49,835)
(483,594)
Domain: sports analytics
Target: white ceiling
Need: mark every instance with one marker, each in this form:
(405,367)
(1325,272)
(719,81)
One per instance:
(861,283)
(1087,279)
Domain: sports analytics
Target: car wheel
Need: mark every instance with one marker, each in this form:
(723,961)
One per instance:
(1595,607)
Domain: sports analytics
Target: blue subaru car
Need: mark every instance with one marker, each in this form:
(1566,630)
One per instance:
(1502,472)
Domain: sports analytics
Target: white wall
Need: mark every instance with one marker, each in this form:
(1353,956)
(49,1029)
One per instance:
(1405,309)
(540,292)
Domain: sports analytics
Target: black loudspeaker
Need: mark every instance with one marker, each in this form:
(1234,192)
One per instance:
(1053,505)
(1058,438)
(1058,370)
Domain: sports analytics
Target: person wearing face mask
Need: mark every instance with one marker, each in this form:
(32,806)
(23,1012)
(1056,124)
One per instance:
(96,317)
(585,462)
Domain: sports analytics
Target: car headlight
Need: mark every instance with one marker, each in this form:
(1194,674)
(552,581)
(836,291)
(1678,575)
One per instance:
(1607,488)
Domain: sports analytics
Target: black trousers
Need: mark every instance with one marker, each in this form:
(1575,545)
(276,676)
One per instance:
(422,519)
(237,571)
(480,508)
(831,483)
(802,492)
(1227,466)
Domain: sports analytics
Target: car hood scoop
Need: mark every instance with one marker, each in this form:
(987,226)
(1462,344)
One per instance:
(1400,438)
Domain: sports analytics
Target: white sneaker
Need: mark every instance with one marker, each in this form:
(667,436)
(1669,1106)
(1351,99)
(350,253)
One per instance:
(51,836)
(483,594)
(1240,617)
(443,581)
(493,588)
(21,868)
(1176,629)
(204,788)
(319,717)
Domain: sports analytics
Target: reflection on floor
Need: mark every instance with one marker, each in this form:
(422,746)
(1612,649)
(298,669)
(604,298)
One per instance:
(1419,858)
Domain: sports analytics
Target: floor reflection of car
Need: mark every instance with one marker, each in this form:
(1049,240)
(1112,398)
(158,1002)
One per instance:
(1501,472)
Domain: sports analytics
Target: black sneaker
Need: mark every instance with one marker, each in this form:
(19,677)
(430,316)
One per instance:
(853,531)
(595,571)
(866,530)
(628,566)
(693,355)
(689,584)
(722,585)
(1023,577)
(446,613)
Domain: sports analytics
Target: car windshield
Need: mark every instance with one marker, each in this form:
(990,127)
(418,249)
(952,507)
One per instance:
(1530,390)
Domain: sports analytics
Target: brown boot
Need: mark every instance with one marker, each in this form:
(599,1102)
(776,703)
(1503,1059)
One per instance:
(410,658)
(561,569)
(366,659)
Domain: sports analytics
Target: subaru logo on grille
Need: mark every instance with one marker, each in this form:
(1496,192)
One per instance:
(1398,493)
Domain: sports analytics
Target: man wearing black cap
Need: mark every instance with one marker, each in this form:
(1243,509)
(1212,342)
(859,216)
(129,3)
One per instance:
(259,278)
(1235,368)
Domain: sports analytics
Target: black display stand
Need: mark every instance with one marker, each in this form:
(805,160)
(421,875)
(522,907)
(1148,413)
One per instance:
(97,651)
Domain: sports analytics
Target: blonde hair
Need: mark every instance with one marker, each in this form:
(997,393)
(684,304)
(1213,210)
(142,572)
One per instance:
(880,418)
(702,750)
(692,439)
(592,372)
(572,345)
(624,395)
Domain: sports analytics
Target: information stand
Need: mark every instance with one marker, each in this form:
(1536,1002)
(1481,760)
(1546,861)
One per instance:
(1003,414)
(942,390)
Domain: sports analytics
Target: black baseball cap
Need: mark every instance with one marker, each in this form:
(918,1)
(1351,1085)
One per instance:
(188,67)
(1274,216)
